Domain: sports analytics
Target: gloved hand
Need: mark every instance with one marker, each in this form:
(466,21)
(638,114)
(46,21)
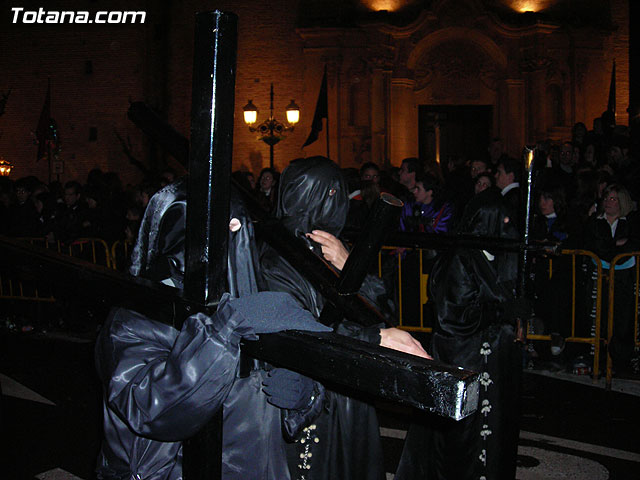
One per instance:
(287,389)
(521,308)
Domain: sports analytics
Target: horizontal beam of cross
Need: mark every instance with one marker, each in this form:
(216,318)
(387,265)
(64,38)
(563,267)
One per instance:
(332,358)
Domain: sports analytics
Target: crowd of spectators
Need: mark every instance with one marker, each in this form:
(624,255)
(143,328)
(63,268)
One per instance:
(100,207)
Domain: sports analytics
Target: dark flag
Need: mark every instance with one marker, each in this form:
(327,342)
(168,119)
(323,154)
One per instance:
(611,105)
(42,131)
(321,112)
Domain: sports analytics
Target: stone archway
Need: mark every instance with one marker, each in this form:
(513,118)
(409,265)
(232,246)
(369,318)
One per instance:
(461,66)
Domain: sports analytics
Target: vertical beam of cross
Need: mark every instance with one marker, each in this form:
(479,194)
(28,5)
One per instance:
(212,105)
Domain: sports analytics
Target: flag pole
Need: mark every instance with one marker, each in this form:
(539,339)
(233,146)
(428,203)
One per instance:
(328,155)
(327,93)
(611,104)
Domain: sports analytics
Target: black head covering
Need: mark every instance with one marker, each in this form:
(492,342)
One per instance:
(486,215)
(159,251)
(312,195)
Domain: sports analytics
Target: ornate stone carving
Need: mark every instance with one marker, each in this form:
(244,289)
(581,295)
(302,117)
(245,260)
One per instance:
(534,62)
(456,68)
(382,57)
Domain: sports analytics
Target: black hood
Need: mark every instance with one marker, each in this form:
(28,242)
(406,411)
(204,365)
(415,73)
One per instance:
(159,251)
(486,215)
(312,196)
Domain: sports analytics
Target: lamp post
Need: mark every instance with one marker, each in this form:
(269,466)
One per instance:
(271,130)
(5,167)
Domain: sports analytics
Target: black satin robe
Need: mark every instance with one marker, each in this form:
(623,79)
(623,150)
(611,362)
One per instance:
(162,385)
(348,433)
(344,441)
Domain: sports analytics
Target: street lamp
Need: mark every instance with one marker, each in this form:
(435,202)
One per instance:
(5,167)
(271,130)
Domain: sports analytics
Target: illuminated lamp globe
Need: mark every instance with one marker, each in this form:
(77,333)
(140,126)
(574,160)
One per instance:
(293,113)
(5,167)
(250,113)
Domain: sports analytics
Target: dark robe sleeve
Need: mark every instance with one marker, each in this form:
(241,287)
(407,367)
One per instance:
(162,383)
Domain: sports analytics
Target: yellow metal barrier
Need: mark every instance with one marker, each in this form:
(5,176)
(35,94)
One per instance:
(30,291)
(97,252)
(93,250)
(596,339)
(120,251)
(422,281)
(610,314)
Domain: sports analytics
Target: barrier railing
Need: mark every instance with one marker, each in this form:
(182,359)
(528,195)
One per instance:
(595,340)
(421,281)
(423,278)
(617,260)
(120,251)
(93,250)
(96,251)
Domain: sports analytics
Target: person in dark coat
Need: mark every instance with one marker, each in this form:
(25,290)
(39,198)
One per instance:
(473,295)
(23,215)
(553,292)
(267,189)
(612,232)
(162,384)
(344,442)
(507,175)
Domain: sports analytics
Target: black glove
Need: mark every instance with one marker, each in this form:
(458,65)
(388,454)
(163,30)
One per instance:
(517,308)
(287,389)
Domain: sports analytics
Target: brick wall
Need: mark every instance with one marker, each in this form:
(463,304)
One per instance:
(269,51)
(33,53)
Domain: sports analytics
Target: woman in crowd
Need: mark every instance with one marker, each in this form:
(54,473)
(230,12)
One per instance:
(611,232)
(266,190)
(552,292)
(483,182)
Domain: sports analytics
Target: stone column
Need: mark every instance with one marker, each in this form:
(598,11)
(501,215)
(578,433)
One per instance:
(379,107)
(513,125)
(403,122)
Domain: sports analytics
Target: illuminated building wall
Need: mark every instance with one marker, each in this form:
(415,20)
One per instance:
(538,66)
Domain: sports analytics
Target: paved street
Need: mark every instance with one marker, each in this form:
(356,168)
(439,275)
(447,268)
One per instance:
(51,418)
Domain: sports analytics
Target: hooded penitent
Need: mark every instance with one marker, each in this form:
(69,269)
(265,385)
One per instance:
(469,289)
(159,253)
(487,215)
(162,385)
(313,196)
(345,442)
